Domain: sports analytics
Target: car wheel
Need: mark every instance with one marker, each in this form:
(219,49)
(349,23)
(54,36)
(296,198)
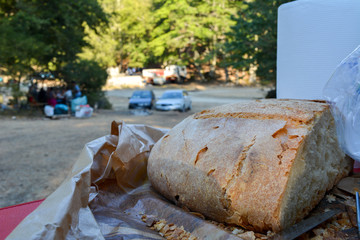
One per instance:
(189,108)
(183,109)
(182,79)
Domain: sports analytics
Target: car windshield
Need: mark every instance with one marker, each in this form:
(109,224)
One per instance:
(141,94)
(171,95)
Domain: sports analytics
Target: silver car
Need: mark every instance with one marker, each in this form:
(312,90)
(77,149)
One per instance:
(174,100)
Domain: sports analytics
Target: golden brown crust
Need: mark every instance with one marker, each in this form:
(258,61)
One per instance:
(232,163)
(301,111)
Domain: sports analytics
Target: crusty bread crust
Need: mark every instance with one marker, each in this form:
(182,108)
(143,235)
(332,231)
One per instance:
(242,163)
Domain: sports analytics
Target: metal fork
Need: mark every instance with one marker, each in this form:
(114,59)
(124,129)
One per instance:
(358,212)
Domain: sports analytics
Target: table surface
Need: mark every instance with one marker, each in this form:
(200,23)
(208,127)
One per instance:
(11,216)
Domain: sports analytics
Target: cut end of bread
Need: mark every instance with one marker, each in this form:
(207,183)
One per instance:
(318,166)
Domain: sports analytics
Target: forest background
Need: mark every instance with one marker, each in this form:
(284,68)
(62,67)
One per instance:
(78,40)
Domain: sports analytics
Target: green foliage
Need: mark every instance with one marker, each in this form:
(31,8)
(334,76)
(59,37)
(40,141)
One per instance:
(48,35)
(54,35)
(99,99)
(197,32)
(16,93)
(253,39)
(37,34)
(161,31)
(124,38)
(191,32)
(19,49)
(89,76)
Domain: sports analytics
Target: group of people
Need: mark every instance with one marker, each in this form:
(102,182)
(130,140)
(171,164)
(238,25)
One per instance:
(132,71)
(53,96)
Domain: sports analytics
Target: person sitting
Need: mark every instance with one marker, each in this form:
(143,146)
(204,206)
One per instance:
(60,97)
(51,98)
(42,98)
(68,96)
(76,90)
(32,95)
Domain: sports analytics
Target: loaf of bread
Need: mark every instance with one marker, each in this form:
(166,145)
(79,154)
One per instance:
(262,164)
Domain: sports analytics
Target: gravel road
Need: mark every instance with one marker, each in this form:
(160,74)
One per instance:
(36,154)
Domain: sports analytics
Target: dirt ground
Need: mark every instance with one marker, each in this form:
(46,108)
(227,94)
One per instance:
(36,154)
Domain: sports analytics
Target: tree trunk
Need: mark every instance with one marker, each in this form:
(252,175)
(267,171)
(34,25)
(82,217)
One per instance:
(237,77)
(227,78)
(213,67)
(198,66)
(199,70)
(214,58)
(252,73)
(121,67)
(15,90)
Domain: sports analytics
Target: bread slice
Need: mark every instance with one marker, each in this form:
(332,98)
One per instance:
(262,165)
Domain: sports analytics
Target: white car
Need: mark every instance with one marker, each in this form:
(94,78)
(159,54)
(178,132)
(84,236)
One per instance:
(174,100)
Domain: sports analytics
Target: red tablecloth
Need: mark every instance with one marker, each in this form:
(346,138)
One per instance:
(11,216)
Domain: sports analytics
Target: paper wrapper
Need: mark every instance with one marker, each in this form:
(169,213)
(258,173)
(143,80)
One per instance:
(107,196)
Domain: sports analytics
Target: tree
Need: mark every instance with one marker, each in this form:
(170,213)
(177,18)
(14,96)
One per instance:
(124,38)
(20,49)
(215,15)
(191,32)
(253,39)
(44,34)
(90,77)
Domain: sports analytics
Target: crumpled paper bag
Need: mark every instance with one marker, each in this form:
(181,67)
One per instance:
(107,196)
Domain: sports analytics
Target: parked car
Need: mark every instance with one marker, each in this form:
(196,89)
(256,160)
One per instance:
(174,100)
(142,99)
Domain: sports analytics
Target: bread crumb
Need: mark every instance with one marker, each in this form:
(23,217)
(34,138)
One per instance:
(250,235)
(330,198)
(260,236)
(270,234)
(159,225)
(318,231)
(327,229)
(168,230)
(149,220)
(199,215)
(237,231)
